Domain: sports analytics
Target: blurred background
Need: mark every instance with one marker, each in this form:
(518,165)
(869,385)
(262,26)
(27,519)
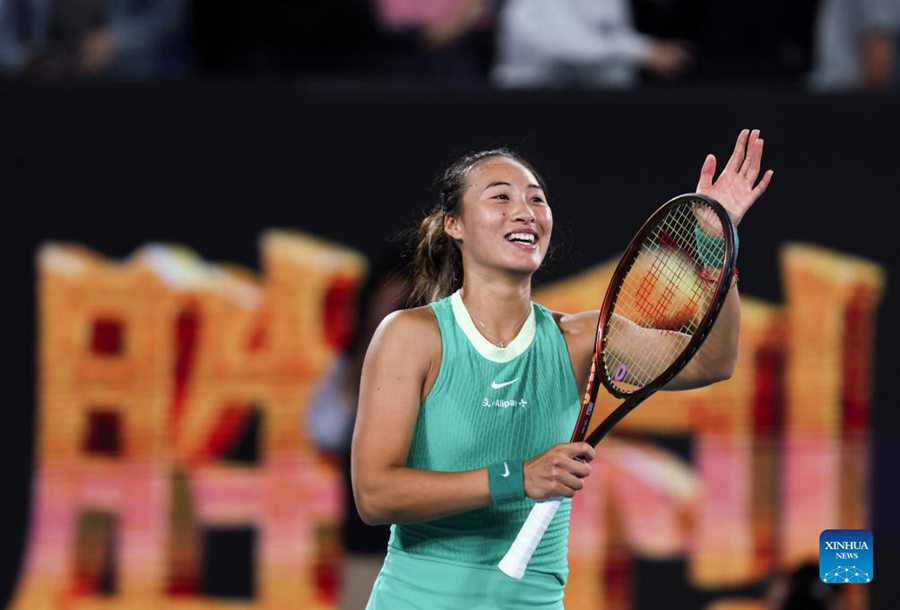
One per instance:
(205,200)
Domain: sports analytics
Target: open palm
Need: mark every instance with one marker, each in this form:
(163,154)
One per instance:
(736,187)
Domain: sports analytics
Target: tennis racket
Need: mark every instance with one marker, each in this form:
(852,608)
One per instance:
(662,301)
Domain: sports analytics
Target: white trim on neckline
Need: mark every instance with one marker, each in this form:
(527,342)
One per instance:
(481,344)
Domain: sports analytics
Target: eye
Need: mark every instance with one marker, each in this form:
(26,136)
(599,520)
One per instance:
(538,199)
(502,196)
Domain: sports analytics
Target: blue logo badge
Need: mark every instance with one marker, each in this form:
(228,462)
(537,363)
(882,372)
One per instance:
(845,556)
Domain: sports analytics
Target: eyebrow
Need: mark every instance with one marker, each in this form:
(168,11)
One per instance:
(501,183)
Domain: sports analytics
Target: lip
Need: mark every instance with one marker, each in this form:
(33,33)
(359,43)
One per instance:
(528,231)
(520,245)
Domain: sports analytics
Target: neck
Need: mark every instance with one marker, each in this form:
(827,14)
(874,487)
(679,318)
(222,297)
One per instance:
(500,304)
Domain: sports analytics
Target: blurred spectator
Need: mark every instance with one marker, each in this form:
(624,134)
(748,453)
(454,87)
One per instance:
(63,38)
(330,419)
(802,589)
(588,43)
(447,41)
(759,43)
(313,38)
(855,44)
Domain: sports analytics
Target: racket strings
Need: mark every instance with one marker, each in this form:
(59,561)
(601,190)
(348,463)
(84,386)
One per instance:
(664,296)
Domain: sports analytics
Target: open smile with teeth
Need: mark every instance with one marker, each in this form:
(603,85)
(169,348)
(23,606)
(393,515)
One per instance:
(523,238)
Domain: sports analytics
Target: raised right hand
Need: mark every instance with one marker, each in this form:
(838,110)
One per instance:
(559,471)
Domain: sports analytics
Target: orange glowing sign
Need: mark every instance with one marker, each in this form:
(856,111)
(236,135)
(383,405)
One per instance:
(171,416)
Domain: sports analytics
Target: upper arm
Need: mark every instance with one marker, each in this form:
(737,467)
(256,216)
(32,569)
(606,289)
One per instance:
(628,343)
(580,332)
(401,358)
(631,342)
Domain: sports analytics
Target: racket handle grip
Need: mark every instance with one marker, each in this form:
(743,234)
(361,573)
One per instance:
(519,554)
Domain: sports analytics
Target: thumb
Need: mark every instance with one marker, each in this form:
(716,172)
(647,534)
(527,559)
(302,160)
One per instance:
(707,172)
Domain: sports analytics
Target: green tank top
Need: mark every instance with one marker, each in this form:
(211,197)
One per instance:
(487,405)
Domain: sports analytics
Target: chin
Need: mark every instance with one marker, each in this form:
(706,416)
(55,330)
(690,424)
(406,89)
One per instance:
(525,268)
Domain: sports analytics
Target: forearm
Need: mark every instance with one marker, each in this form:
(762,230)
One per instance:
(736,189)
(717,357)
(407,495)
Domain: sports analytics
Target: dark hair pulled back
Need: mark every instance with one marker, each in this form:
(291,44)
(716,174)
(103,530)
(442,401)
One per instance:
(437,266)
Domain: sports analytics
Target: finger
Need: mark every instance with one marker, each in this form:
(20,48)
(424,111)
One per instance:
(737,156)
(707,172)
(582,451)
(579,469)
(763,184)
(751,150)
(561,490)
(570,481)
(755,158)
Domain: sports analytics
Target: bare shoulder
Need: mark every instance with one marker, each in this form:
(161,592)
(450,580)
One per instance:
(580,332)
(412,321)
(414,332)
(405,349)
(577,325)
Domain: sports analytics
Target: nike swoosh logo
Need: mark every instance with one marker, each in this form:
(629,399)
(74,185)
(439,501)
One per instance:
(497,386)
(505,474)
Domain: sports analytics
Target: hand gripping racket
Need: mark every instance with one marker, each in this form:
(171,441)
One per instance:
(662,301)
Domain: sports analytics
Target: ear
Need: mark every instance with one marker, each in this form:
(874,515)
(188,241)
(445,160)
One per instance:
(453,227)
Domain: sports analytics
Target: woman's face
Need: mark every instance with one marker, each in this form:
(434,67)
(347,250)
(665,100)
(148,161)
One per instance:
(505,220)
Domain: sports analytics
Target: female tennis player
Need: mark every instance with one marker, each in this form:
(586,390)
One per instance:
(465,402)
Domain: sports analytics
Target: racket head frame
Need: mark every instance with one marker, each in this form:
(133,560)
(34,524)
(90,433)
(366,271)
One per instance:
(598,369)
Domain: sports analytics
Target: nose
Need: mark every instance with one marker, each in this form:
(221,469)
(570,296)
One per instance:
(523,211)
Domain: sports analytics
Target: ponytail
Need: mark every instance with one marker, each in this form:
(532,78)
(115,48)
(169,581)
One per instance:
(437,267)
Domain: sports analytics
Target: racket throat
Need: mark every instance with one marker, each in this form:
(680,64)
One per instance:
(607,424)
(583,423)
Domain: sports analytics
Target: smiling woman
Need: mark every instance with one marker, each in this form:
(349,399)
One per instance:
(438,269)
(465,402)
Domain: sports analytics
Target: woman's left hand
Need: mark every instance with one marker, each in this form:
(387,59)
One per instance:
(736,188)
